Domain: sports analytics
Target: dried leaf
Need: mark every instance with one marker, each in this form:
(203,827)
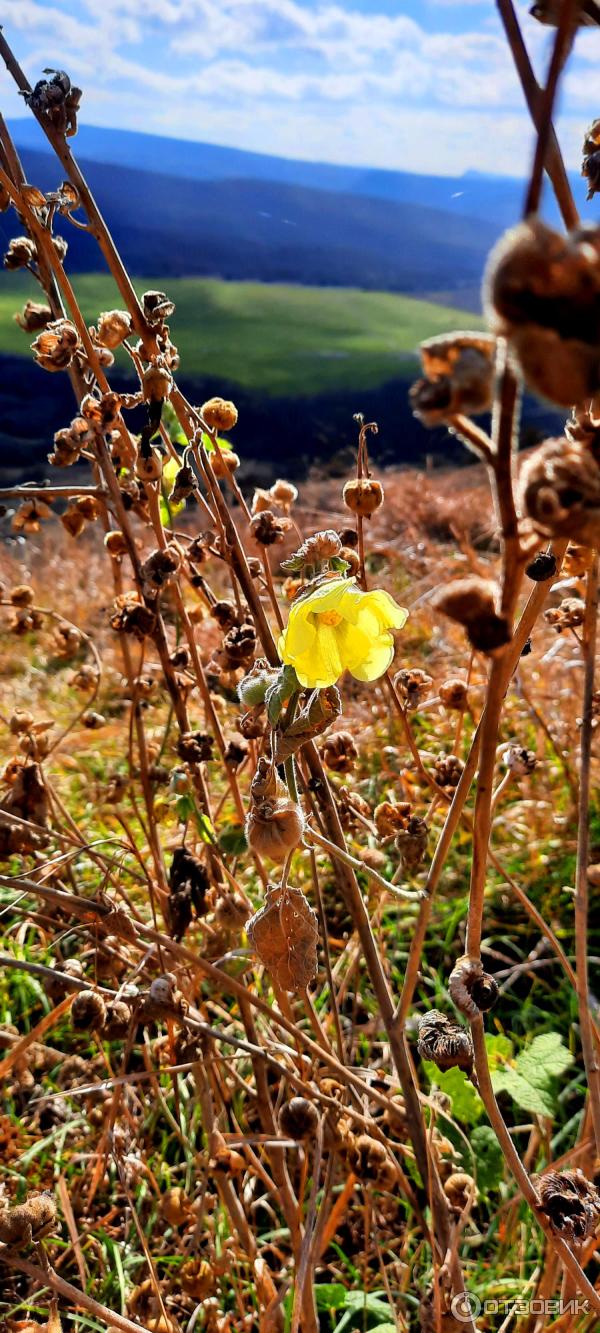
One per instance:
(284,934)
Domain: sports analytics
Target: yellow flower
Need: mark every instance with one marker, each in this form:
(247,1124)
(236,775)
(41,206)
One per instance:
(338,628)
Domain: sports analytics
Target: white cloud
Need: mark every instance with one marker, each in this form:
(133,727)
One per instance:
(325,79)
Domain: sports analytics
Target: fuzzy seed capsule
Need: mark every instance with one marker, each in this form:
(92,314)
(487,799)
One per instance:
(363,496)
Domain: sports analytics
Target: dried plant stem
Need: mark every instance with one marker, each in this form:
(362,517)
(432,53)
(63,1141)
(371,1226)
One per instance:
(513,1160)
(590,1050)
(554,164)
(78,1299)
(569,12)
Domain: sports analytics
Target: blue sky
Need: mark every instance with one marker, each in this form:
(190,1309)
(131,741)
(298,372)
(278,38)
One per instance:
(425,85)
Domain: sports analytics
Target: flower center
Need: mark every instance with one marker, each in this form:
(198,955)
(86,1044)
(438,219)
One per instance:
(330,617)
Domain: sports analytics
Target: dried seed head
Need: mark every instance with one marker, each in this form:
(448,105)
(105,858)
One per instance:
(54,347)
(313,552)
(460,1191)
(88,1011)
(103,412)
(130,616)
(149,467)
(444,1041)
(459,377)
(113,327)
(195,747)
(175,1207)
(363,496)
(472,602)
(34,317)
(159,569)
(239,646)
(472,990)
(118,1020)
(577,561)
(274,828)
(571,1202)
(27,1221)
(412,684)
(370,1160)
(73,521)
(520,761)
(542,567)
(157,307)
(266,529)
(391,817)
(559,489)
(219,414)
(21,252)
(284,934)
(298,1119)
(568,615)
(411,843)
(22,595)
(157,383)
(340,752)
(448,769)
(454,694)
(283,494)
(590,167)
(115,544)
(542,292)
(224,462)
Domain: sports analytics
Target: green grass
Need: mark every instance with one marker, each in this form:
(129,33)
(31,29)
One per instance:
(274,339)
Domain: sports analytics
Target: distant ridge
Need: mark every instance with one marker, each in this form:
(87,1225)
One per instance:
(497,199)
(272,231)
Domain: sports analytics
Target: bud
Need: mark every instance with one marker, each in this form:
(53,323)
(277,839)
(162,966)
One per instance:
(253,687)
(219,414)
(363,496)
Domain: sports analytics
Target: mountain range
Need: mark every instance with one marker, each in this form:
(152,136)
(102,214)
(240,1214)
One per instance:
(194,209)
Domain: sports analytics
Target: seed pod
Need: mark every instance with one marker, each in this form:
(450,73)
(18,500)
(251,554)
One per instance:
(448,769)
(54,347)
(453,694)
(149,467)
(224,463)
(113,327)
(444,1041)
(72,521)
(88,1011)
(159,569)
(298,1119)
(21,252)
(219,414)
(412,684)
(274,827)
(157,307)
(370,1160)
(28,1221)
(568,615)
(571,1202)
(411,842)
(22,595)
(459,377)
(542,567)
(520,761)
(118,1020)
(115,544)
(390,817)
(542,292)
(340,752)
(34,317)
(559,487)
(103,412)
(157,383)
(363,496)
(266,529)
(472,990)
(130,616)
(472,602)
(460,1190)
(283,494)
(195,747)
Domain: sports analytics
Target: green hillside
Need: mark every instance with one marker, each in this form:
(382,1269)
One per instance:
(270,338)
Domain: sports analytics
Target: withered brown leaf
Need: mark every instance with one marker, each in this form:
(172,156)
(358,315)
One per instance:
(284,934)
